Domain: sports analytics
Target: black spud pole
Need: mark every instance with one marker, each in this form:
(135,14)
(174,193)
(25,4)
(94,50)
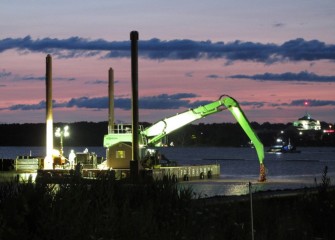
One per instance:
(134,82)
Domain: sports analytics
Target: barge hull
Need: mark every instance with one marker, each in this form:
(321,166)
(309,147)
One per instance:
(178,173)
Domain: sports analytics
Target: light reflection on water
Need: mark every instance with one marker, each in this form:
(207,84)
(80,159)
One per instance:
(221,186)
(214,188)
(239,166)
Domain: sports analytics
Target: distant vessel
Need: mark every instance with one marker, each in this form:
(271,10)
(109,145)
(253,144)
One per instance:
(281,147)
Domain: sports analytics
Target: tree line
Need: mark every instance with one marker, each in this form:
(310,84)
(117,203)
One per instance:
(214,134)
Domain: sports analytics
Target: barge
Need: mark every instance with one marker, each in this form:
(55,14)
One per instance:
(89,166)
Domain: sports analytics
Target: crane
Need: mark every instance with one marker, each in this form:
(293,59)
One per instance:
(152,135)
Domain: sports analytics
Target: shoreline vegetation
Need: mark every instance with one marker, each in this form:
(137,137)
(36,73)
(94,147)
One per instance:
(110,209)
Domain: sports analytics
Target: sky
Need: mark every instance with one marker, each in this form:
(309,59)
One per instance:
(271,56)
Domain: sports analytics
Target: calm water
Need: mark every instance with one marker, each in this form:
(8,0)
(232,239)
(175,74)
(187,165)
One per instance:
(239,166)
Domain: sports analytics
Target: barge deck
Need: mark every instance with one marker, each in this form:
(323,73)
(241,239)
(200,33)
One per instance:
(29,170)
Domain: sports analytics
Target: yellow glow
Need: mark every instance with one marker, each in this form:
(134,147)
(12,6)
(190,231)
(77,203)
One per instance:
(25,177)
(48,161)
(55,153)
(49,138)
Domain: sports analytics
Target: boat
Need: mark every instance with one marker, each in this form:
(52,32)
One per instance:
(281,147)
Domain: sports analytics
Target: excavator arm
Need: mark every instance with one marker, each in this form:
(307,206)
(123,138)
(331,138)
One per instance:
(233,106)
(237,112)
(160,129)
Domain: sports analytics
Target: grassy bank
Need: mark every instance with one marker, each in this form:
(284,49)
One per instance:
(109,209)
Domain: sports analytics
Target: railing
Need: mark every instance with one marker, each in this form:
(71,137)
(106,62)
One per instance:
(127,129)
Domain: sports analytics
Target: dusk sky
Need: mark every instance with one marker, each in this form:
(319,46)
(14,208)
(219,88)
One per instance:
(271,56)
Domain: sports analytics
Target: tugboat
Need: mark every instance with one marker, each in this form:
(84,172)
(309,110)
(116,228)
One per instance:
(281,147)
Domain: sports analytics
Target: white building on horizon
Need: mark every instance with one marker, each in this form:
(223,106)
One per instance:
(307,123)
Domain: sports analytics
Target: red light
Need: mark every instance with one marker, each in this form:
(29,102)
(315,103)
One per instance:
(306,103)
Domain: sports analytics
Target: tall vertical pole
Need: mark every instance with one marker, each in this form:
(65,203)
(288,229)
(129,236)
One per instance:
(134,82)
(48,161)
(111,101)
(251,212)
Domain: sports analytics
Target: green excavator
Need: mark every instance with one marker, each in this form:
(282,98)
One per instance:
(153,135)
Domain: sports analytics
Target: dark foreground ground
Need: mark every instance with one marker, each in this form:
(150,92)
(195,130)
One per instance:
(109,209)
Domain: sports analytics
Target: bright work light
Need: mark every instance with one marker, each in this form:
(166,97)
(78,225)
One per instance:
(61,133)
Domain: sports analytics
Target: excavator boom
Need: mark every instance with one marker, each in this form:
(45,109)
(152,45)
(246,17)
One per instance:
(160,129)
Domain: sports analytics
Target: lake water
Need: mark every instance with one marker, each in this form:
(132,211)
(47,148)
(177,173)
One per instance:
(239,166)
